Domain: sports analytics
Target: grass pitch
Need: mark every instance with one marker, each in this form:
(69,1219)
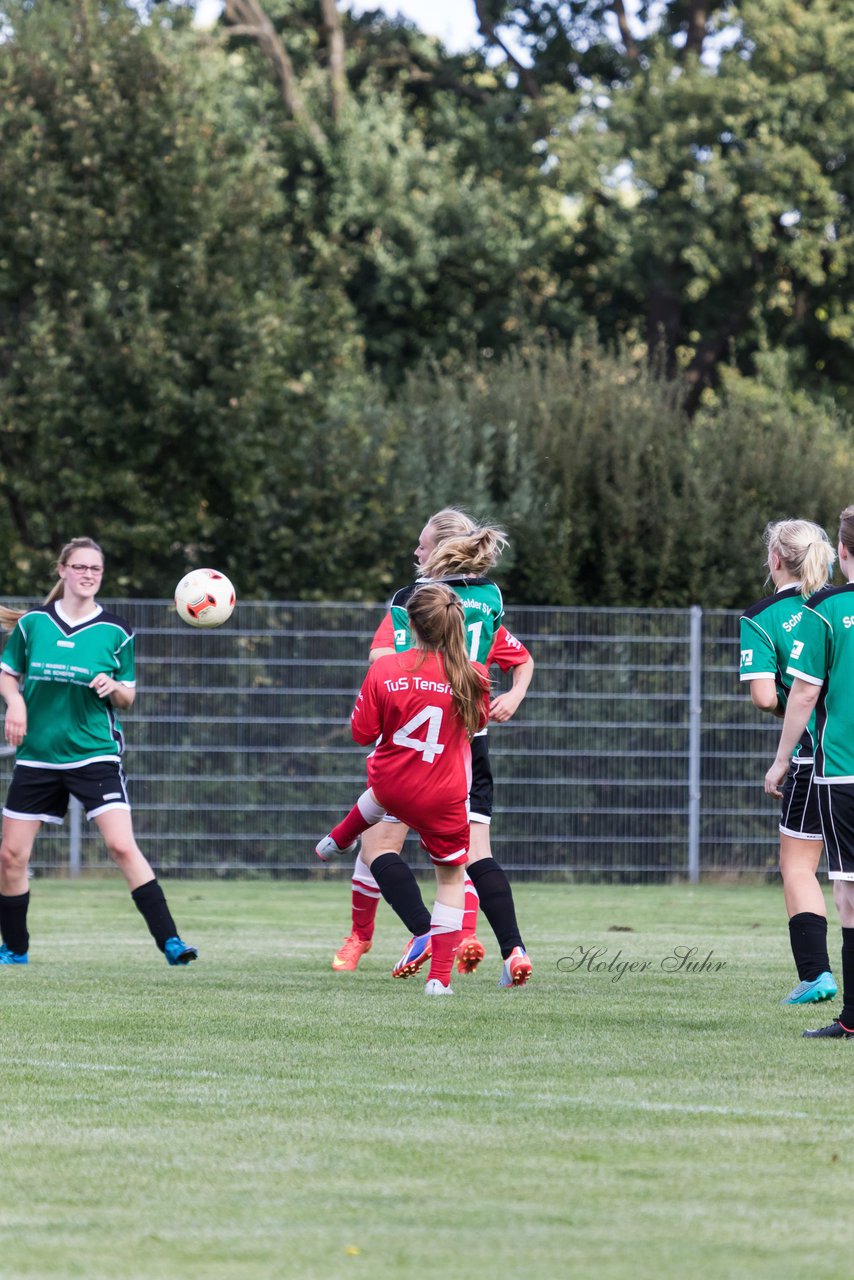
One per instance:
(256,1115)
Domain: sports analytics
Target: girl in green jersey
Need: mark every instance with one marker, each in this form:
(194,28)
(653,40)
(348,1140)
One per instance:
(821,666)
(67,668)
(800,561)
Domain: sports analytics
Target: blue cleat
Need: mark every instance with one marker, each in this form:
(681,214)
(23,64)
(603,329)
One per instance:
(177,951)
(12,957)
(821,988)
(417,953)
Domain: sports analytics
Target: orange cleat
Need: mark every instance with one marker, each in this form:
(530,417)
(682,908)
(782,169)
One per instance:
(350,953)
(470,952)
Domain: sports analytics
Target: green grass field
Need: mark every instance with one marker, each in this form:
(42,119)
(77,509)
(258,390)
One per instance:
(256,1115)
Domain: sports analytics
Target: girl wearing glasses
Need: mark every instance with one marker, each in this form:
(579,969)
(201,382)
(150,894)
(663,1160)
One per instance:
(66,669)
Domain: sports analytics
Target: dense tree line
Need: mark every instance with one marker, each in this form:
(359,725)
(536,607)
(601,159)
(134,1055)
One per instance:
(271,293)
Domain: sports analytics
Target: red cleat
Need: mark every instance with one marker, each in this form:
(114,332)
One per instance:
(470,952)
(350,953)
(516,970)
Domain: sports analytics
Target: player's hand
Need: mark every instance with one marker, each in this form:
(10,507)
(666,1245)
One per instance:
(774,778)
(103,685)
(503,706)
(16,722)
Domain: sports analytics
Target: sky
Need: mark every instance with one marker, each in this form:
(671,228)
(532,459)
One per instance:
(453,21)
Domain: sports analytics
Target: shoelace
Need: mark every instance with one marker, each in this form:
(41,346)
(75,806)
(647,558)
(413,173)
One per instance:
(350,945)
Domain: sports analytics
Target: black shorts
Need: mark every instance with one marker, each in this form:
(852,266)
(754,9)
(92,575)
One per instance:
(480,796)
(836,806)
(39,793)
(799,815)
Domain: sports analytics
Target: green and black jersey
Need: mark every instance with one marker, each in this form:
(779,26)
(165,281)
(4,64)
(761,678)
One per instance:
(67,723)
(823,654)
(482,604)
(767,632)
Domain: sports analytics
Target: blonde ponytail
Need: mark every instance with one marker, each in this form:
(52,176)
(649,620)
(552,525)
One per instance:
(462,546)
(804,550)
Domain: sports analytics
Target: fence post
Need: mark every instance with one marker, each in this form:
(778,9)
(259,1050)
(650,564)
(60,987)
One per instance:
(695,708)
(75,822)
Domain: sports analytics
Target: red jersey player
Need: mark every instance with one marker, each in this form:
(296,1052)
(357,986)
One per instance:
(509,654)
(454,549)
(425,705)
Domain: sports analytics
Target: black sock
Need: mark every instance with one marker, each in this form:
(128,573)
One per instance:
(400,890)
(496,903)
(13,922)
(151,904)
(808,936)
(846,1017)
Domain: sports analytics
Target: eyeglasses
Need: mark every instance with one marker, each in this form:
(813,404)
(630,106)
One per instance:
(86,568)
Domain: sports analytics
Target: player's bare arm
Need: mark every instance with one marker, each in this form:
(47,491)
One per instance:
(16,709)
(764,696)
(120,695)
(505,705)
(802,701)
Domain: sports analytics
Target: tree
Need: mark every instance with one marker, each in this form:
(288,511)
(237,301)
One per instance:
(419,195)
(160,359)
(611,492)
(706,155)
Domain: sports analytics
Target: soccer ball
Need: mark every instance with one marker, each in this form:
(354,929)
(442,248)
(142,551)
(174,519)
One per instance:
(204,598)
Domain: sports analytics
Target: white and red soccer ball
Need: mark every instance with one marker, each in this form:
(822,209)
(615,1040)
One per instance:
(204,598)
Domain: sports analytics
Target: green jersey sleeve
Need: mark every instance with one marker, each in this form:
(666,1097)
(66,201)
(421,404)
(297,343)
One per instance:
(758,655)
(14,658)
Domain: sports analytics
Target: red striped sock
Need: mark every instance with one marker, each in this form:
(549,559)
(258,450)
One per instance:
(364,911)
(470,910)
(365,812)
(350,827)
(442,957)
(445,933)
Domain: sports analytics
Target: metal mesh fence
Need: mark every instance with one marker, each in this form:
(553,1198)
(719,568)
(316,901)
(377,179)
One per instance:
(636,755)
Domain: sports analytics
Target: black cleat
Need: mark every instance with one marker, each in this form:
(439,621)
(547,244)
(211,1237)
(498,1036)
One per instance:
(835,1031)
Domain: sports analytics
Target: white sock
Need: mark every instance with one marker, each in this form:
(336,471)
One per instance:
(369,809)
(445,919)
(363,878)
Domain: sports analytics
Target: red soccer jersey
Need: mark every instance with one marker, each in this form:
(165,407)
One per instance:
(384,634)
(421,769)
(506,651)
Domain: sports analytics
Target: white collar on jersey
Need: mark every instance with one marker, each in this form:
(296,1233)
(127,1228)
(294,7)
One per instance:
(76,622)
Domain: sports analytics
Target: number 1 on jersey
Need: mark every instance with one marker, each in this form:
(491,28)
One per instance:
(429,746)
(474,629)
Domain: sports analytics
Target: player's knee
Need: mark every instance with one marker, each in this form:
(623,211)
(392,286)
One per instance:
(123,851)
(385,837)
(11,858)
